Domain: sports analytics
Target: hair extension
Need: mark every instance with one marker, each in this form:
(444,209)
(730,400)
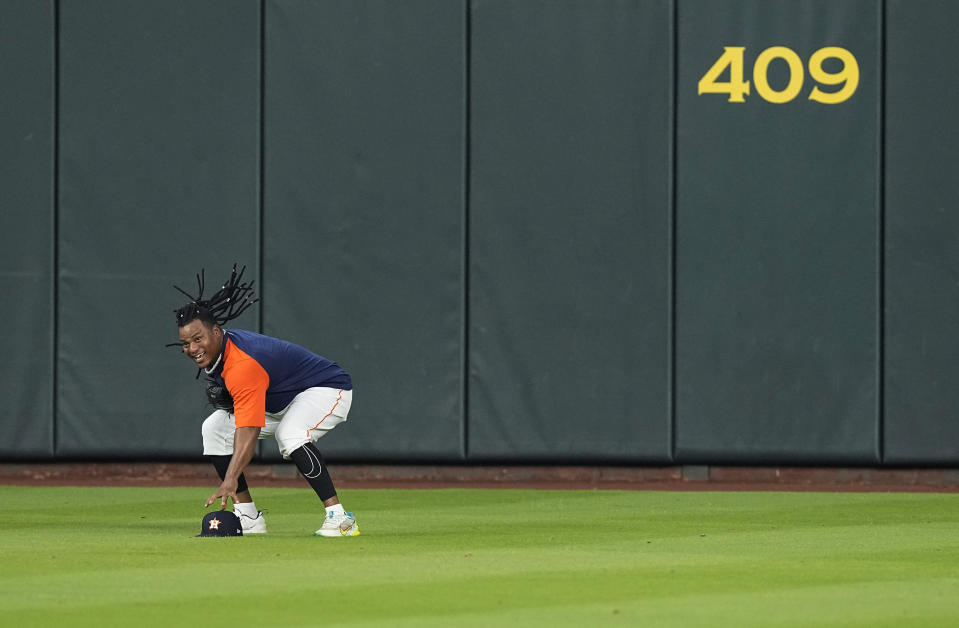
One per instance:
(224,305)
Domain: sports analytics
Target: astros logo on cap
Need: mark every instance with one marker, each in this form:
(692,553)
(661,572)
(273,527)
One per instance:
(221,523)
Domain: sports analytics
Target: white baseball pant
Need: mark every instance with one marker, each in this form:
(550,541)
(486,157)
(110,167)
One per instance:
(307,418)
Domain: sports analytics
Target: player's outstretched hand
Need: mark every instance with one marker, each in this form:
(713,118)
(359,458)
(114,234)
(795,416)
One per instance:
(226,491)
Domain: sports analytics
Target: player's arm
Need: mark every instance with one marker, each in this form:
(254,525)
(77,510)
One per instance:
(248,384)
(244,445)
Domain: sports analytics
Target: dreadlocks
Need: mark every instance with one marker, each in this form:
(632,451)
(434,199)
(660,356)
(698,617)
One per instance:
(226,304)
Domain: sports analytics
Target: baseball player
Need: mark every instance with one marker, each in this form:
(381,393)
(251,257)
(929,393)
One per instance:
(261,387)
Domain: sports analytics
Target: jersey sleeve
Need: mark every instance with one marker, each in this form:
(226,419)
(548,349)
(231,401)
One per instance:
(247,381)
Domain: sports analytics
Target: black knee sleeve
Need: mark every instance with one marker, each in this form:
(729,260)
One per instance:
(221,464)
(309,461)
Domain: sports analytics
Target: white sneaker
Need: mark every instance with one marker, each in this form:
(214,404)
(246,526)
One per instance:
(252,525)
(338,525)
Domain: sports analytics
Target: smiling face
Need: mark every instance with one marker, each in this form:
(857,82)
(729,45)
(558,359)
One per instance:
(201,342)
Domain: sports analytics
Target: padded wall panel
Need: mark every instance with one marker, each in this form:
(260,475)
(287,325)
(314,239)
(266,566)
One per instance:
(922,231)
(777,230)
(26,228)
(569,231)
(158,178)
(363,221)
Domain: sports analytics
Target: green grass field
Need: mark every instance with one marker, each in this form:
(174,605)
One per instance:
(128,557)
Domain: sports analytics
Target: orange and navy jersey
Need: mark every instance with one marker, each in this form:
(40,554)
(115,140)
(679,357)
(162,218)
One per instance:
(263,374)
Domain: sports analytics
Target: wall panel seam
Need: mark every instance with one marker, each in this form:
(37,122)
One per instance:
(55,231)
(671,255)
(261,171)
(881,238)
(465,229)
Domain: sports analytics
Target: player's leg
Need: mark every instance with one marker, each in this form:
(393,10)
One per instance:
(309,417)
(217,431)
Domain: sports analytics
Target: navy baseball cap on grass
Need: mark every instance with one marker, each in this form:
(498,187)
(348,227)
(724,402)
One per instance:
(221,523)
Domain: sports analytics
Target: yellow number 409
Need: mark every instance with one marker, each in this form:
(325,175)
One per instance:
(737,88)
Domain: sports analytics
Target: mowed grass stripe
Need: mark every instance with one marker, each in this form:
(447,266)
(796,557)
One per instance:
(90,556)
(538,599)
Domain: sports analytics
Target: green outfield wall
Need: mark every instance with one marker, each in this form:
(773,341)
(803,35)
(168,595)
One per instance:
(630,231)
